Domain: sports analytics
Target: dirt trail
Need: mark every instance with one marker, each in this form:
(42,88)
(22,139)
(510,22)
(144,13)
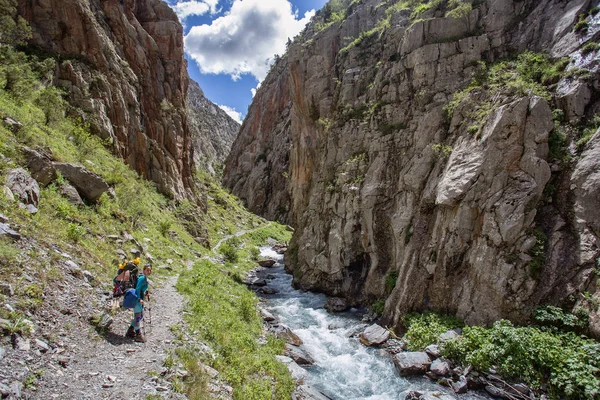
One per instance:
(237,234)
(94,361)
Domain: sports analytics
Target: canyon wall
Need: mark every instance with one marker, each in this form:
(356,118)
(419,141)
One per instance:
(417,176)
(121,63)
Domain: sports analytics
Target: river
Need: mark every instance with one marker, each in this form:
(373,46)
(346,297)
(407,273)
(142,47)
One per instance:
(344,369)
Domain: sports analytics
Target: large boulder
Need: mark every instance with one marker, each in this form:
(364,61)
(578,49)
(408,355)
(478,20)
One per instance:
(336,304)
(23,186)
(71,194)
(411,363)
(40,164)
(267,263)
(374,335)
(440,367)
(88,184)
(285,333)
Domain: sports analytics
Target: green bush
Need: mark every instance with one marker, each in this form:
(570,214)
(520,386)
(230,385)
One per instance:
(75,232)
(229,252)
(567,363)
(555,317)
(424,329)
(378,306)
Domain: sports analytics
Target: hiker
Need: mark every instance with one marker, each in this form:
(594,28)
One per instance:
(127,275)
(141,289)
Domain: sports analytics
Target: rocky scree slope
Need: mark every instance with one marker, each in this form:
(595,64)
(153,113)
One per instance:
(122,64)
(419,170)
(213,131)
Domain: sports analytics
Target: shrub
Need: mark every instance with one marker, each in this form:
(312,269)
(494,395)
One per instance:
(229,252)
(568,364)
(164,227)
(581,26)
(424,329)
(377,307)
(555,317)
(390,281)
(75,232)
(590,47)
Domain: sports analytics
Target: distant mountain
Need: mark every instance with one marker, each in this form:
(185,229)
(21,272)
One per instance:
(213,131)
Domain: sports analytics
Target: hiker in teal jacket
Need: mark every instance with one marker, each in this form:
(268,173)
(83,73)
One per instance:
(141,288)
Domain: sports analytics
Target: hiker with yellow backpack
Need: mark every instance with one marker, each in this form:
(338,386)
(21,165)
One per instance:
(134,298)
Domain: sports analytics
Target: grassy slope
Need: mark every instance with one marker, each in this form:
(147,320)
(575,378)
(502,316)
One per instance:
(222,311)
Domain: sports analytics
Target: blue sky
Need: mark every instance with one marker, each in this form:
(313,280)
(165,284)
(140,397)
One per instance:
(231,43)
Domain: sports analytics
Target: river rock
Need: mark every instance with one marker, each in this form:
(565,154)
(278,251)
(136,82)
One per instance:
(299,374)
(460,386)
(305,392)
(433,351)
(89,184)
(267,263)
(285,333)
(411,363)
(440,367)
(374,335)
(23,186)
(336,304)
(297,354)
(269,290)
(425,395)
(266,315)
(394,346)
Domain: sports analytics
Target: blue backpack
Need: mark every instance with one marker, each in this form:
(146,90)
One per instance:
(130,299)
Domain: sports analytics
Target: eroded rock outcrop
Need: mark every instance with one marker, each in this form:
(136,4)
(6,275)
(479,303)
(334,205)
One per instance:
(397,192)
(122,63)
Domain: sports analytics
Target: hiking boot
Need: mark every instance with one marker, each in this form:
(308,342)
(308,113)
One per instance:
(139,337)
(130,332)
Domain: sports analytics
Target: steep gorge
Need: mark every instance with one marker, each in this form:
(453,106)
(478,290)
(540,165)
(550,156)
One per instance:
(121,63)
(406,188)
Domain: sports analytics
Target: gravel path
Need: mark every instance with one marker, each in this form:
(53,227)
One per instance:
(114,367)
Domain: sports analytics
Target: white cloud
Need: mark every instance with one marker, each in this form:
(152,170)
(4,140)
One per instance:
(245,39)
(185,9)
(235,115)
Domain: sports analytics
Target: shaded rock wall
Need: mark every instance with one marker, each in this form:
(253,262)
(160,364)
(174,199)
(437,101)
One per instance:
(213,131)
(122,63)
(393,201)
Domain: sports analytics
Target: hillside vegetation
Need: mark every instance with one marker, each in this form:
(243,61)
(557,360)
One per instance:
(178,236)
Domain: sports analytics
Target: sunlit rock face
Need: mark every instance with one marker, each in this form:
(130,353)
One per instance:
(122,64)
(395,198)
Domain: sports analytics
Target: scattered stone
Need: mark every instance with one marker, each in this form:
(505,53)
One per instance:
(4,390)
(298,373)
(3,219)
(255,281)
(102,321)
(266,316)
(440,367)
(39,163)
(30,208)
(2,353)
(94,373)
(23,186)
(88,276)
(43,346)
(336,304)
(71,194)
(306,392)
(5,230)
(285,333)
(12,124)
(162,388)
(7,289)
(73,269)
(113,237)
(10,197)
(394,346)
(165,267)
(16,388)
(460,386)
(446,336)
(19,343)
(374,335)
(297,354)
(88,184)
(107,385)
(121,254)
(266,263)
(111,378)
(433,351)
(135,252)
(210,371)
(63,361)
(149,257)
(518,389)
(411,363)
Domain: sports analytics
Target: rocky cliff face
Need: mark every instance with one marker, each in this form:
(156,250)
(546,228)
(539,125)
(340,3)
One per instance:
(424,171)
(213,131)
(122,63)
